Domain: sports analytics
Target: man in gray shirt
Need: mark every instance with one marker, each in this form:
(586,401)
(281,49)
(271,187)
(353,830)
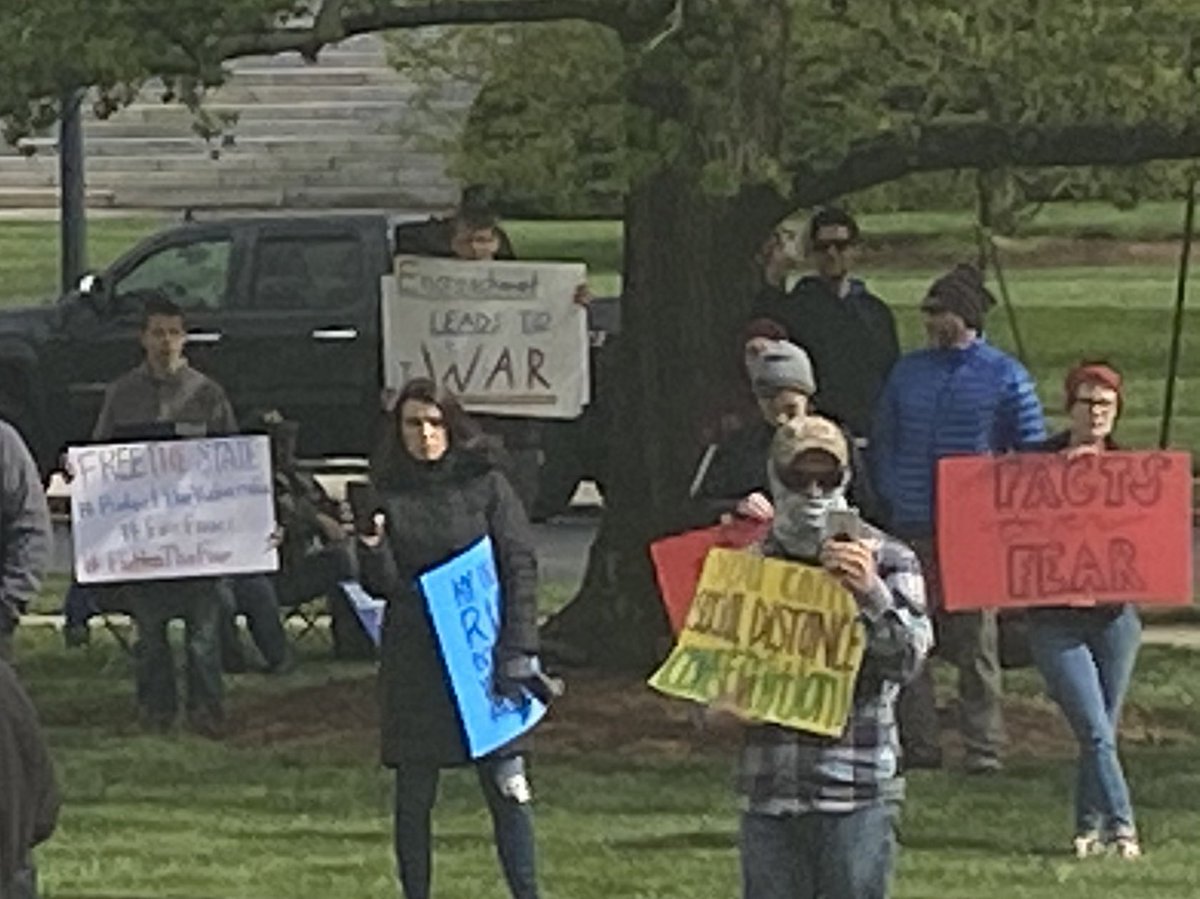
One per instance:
(161,397)
(24,532)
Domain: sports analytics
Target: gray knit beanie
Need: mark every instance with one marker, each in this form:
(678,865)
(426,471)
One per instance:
(781,366)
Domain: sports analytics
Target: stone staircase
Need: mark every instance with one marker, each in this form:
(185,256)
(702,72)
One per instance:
(345,132)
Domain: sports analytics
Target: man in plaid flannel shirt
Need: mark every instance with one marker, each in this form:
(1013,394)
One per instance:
(819,812)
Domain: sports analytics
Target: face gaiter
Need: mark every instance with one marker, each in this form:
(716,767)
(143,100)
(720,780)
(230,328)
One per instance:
(799,522)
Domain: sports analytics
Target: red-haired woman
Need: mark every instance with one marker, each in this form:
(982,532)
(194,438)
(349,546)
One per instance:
(1086,654)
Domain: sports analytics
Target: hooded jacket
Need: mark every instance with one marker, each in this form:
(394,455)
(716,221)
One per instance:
(28,792)
(434,511)
(24,526)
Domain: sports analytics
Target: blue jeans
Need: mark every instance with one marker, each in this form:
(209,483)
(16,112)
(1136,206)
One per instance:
(512,826)
(819,855)
(1086,661)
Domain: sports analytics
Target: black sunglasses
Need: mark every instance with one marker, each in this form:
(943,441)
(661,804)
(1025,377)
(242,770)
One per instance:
(800,481)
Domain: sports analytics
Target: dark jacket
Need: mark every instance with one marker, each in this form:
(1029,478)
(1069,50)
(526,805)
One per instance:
(851,340)
(138,399)
(28,792)
(739,468)
(300,500)
(24,527)
(435,511)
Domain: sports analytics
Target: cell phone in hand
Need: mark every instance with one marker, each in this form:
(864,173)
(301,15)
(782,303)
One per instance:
(364,503)
(843,525)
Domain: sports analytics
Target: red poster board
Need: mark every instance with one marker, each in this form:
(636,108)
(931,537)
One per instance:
(1032,529)
(678,561)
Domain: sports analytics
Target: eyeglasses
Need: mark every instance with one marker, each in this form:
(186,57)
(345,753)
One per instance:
(801,481)
(822,246)
(1095,403)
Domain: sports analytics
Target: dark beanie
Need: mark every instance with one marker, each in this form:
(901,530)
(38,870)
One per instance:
(961,291)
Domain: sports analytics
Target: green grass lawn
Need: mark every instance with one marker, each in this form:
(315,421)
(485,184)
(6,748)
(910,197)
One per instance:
(631,802)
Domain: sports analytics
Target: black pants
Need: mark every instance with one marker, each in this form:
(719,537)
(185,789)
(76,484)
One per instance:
(512,824)
(198,602)
(253,595)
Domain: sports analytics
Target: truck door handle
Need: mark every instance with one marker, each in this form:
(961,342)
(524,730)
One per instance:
(204,337)
(335,334)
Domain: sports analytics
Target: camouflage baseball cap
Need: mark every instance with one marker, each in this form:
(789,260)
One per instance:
(808,432)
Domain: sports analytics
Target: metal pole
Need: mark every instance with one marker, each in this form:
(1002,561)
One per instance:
(72,201)
(1009,310)
(1189,222)
(989,255)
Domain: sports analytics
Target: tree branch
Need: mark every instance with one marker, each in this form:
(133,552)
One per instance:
(985,145)
(630,17)
(327,26)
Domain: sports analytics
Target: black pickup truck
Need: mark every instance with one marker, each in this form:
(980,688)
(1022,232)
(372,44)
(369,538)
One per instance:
(283,312)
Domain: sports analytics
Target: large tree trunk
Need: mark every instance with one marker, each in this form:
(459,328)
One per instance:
(688,281)
(689,278)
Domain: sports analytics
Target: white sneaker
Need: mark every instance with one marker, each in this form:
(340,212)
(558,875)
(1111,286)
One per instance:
(1127,847)
(1088,844)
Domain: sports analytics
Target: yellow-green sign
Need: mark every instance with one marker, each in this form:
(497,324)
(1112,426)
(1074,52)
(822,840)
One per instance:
(772,640)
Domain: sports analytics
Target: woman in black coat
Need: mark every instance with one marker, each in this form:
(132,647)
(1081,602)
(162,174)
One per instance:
(438,492)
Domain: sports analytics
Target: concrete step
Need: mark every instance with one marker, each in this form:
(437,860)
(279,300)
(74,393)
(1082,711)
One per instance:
(320,76)
(231,160)
(345,131)
(350,176)
(398,125)
(338,56)
(270,144)
(412,196)
(236,92)
(47,198)
(172,115)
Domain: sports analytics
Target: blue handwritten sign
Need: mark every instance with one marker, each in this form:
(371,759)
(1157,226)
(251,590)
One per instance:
(463,598)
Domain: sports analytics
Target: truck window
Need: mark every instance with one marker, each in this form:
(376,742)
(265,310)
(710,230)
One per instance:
(308,272)
(194,275)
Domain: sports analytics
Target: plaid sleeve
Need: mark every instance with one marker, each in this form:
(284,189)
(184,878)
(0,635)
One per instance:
(899,633)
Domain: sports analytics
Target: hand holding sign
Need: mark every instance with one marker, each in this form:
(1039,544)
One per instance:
(508,338)
(1034,529)
(773,640)
(463,599)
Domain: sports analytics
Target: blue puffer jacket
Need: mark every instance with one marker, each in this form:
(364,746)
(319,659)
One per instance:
(939,403)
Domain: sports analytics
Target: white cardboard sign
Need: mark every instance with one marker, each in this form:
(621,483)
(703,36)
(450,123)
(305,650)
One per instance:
(506,338)
(172,509)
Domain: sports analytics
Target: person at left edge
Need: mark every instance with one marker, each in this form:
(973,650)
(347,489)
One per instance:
(29,798)
(24,532)
(437,492)
(818,812)
(165,396)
